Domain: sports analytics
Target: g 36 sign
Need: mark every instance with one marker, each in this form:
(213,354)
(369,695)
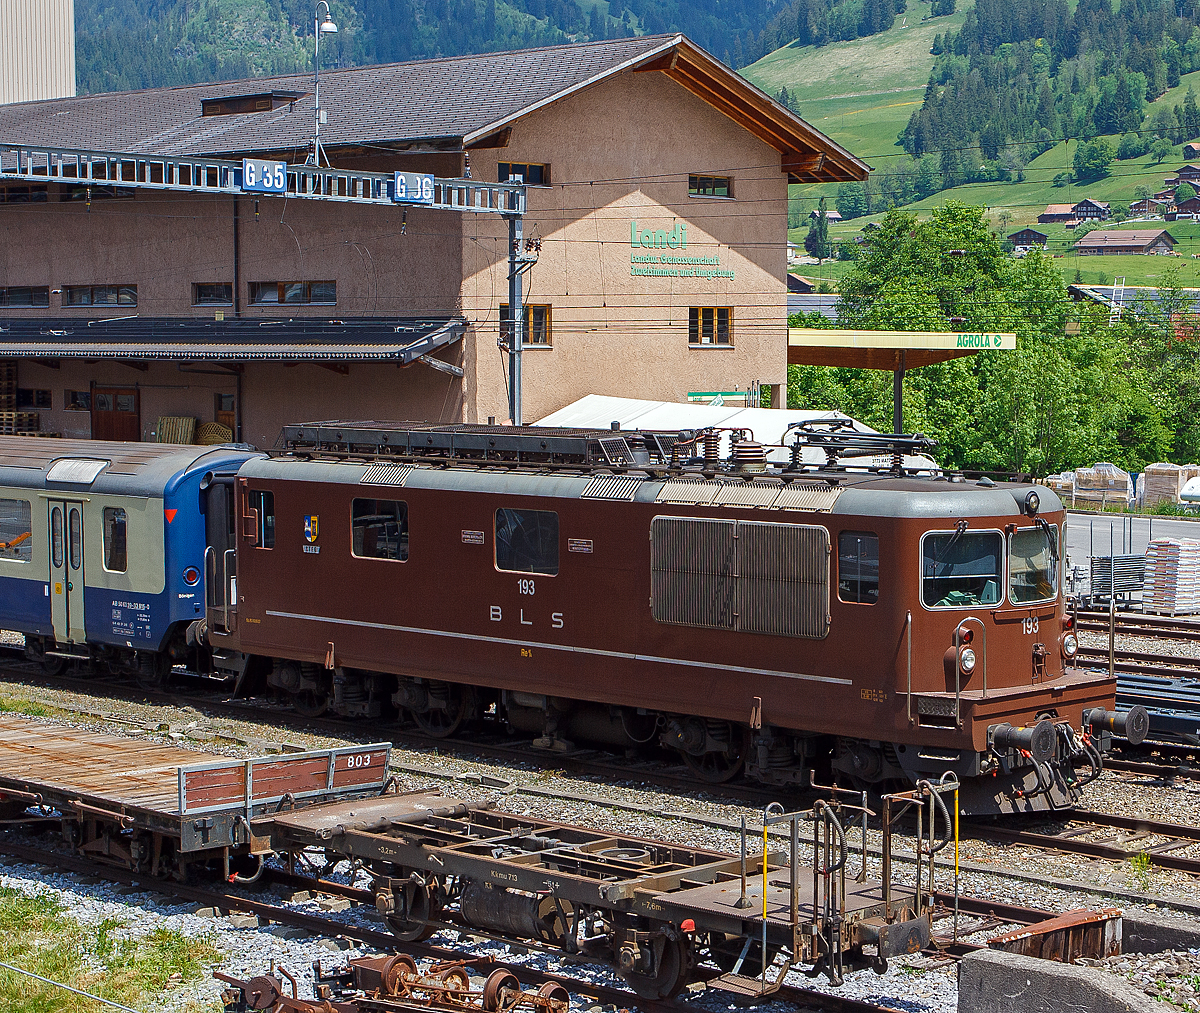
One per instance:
(264,177)
(413,188)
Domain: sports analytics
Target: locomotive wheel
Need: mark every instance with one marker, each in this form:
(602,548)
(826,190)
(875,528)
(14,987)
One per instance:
(154,673)
(423,904)
(502,991)
(441,722)
(309,703)
(670,976)
(719,767)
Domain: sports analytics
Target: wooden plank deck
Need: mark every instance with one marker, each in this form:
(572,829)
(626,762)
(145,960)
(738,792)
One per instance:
(61,761)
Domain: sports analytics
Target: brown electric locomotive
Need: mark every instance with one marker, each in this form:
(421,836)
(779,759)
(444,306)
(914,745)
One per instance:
(869,611)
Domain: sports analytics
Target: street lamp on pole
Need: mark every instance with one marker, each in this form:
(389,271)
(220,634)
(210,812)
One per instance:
(326,27)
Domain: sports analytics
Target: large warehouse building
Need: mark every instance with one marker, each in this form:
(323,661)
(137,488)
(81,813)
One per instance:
(657,213)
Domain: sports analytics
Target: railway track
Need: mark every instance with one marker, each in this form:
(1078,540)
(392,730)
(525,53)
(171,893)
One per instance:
(1135,624)
(225,899)
(1169,666)
(1161,840)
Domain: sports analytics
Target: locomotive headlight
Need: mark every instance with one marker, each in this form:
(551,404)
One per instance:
(1070,646)
(966,660)
(1032,503)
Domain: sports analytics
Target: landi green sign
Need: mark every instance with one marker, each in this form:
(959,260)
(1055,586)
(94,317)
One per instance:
(670,264)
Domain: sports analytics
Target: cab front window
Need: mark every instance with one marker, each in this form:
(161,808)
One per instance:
(961,569)
(1032,562)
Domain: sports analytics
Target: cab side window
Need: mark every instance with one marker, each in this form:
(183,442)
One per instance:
(379,529)
(527,541)
(858,567)
(263,505)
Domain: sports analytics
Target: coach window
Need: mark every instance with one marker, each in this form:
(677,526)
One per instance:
(961,569)
(379,529)
(858,567)
(56,536)
(16,531)
(263,505)
(527,541)
(116,557)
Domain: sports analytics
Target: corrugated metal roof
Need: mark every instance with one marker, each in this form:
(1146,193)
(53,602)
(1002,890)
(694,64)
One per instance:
(296,340)
(1123,237)
(440,103)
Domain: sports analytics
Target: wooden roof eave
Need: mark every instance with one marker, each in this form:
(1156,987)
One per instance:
(807,155)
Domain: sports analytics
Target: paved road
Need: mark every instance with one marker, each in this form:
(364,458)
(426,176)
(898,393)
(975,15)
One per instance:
(1089,534)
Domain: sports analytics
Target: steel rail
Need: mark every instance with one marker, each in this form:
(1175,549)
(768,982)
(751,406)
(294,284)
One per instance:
(385,941)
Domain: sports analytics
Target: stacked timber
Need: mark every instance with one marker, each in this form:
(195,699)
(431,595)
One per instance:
(1172,577)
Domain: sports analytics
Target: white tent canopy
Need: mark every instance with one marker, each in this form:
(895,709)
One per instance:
(599,411)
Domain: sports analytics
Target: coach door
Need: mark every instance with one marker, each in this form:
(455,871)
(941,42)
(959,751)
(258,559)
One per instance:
(66,570)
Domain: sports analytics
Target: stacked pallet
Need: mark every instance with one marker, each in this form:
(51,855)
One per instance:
(19,423)
(1102,484)
(1162,482)
(1172,577)
(8,385)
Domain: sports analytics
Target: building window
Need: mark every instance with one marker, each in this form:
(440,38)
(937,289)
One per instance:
(710,186)
(29,398)
(527,541)
(379,529)
(115,551)
(537,324)
(710,325)
(530,173)
(293,293)
(16,531)
(212,294)
(100,295)
(262,504)
(23,195)
(77,400)
(98,192)
(19,297)
(858,567)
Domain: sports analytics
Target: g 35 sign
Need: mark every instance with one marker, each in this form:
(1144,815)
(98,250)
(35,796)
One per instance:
(413,188)
(264,177)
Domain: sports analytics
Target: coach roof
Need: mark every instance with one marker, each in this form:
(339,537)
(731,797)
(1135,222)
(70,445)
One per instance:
(442,104)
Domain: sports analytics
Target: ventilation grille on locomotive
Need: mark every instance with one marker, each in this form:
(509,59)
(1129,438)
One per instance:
(746,576)
(386,474)
(621,487)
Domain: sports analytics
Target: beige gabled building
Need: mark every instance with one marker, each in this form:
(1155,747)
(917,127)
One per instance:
(657,206)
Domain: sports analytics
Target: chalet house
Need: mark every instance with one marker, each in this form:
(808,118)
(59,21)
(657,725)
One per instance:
(1056,213)
(1187,173)
(1091,210)
(1125,241)
(1189,208)
(1027,239)
(1150,206)
(830,216)
(1191,150)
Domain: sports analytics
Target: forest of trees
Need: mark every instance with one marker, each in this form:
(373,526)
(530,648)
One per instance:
(1023,74)
(128,44)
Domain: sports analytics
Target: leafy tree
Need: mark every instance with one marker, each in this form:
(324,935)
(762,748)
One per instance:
(1131,146)
(1185,191)
(1141,191)
(1161,148)
(1061,179)
(1092,159)
(1119,211)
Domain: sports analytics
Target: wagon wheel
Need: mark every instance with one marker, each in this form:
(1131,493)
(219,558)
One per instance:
(458,983)
(441,722)
(717,767)
(153,673)
(422,904)
(669,977)
(309,703)
(555,991)
(392,974)
(501,992)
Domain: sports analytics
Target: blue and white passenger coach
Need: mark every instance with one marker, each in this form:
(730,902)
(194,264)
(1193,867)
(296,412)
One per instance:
(102,547)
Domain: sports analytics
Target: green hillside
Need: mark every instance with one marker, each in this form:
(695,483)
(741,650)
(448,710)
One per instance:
(860,93)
